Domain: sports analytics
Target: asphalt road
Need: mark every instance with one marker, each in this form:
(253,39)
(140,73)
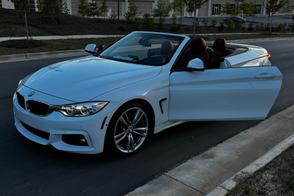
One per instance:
(30,169)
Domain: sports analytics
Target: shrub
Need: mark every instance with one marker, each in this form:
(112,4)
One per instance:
(132,12)
(230,25)
(161,11)
(250,27)
(147,21)
(221,27)
(175,28)
(292,27)
(213,23)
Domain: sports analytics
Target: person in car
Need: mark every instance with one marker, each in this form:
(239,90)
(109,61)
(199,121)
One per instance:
(197,48)
(166,50)
(220,50)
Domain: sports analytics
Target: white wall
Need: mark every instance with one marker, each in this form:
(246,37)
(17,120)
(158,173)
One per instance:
(7,4)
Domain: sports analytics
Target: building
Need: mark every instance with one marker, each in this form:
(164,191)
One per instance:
(215,7)
(10,4)
(7,4)
(210,8)
(143,6)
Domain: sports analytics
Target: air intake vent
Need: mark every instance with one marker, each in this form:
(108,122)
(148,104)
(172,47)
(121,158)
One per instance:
(36,132)
(38,108)
(21,100)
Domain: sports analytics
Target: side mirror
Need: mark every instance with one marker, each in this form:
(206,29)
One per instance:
(196,65)
(91,48)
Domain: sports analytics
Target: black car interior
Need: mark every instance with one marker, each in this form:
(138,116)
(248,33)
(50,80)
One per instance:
(212,56)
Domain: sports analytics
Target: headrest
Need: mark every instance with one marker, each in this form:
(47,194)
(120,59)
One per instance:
(198,45)
(219,44)
(166,48)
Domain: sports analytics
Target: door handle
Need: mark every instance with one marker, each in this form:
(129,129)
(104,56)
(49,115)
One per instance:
(265,76)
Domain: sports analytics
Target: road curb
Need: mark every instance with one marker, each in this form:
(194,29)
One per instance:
(232,182)
(80,52)
(219,169)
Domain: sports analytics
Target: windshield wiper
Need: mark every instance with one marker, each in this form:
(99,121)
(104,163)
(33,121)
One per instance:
(130,58)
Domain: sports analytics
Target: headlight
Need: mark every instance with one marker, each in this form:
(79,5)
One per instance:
(81,109)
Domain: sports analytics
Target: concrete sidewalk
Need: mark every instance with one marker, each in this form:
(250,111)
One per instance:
(59,37)
(203,173)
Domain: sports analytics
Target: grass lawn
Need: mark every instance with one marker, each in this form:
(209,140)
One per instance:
(71,44)
(277,178)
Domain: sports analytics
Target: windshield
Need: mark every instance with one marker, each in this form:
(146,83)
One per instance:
(144,48)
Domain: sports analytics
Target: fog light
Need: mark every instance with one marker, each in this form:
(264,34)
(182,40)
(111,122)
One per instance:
(76,140)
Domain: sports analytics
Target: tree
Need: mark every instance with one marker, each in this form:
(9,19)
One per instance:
(24,5)
(230,9)
(273,6)
(162,10)
(84,8)
(179,6)
(193,6)
(103,9)
(52,7)
(132,11)
(147,21)
(240,7)
(247,8)
(93,9)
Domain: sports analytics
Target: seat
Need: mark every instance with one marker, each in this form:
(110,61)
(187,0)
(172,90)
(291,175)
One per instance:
(166,48)
(220,48)
(220,51)
(197,48)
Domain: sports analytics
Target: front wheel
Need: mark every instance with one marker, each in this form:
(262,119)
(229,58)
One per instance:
(128,130)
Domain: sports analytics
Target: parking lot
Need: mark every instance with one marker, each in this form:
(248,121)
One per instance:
(30,169)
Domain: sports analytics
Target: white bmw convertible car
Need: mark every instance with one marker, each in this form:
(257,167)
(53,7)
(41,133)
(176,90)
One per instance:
(116,98)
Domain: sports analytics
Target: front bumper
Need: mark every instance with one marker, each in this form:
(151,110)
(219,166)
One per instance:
(55,126)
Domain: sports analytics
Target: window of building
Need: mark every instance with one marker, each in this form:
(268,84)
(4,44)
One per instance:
(216,9)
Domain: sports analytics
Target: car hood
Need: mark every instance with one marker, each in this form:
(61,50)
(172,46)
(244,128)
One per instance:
(85,78)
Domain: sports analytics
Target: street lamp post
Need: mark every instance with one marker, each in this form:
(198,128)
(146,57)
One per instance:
(118,7)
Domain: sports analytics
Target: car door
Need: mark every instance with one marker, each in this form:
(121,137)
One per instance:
(223,94)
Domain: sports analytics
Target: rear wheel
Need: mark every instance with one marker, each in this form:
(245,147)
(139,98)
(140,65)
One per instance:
(128,130)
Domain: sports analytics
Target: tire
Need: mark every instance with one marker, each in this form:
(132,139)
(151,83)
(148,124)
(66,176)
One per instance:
(128,130)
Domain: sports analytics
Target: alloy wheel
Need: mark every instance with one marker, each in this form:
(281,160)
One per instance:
(131,130)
